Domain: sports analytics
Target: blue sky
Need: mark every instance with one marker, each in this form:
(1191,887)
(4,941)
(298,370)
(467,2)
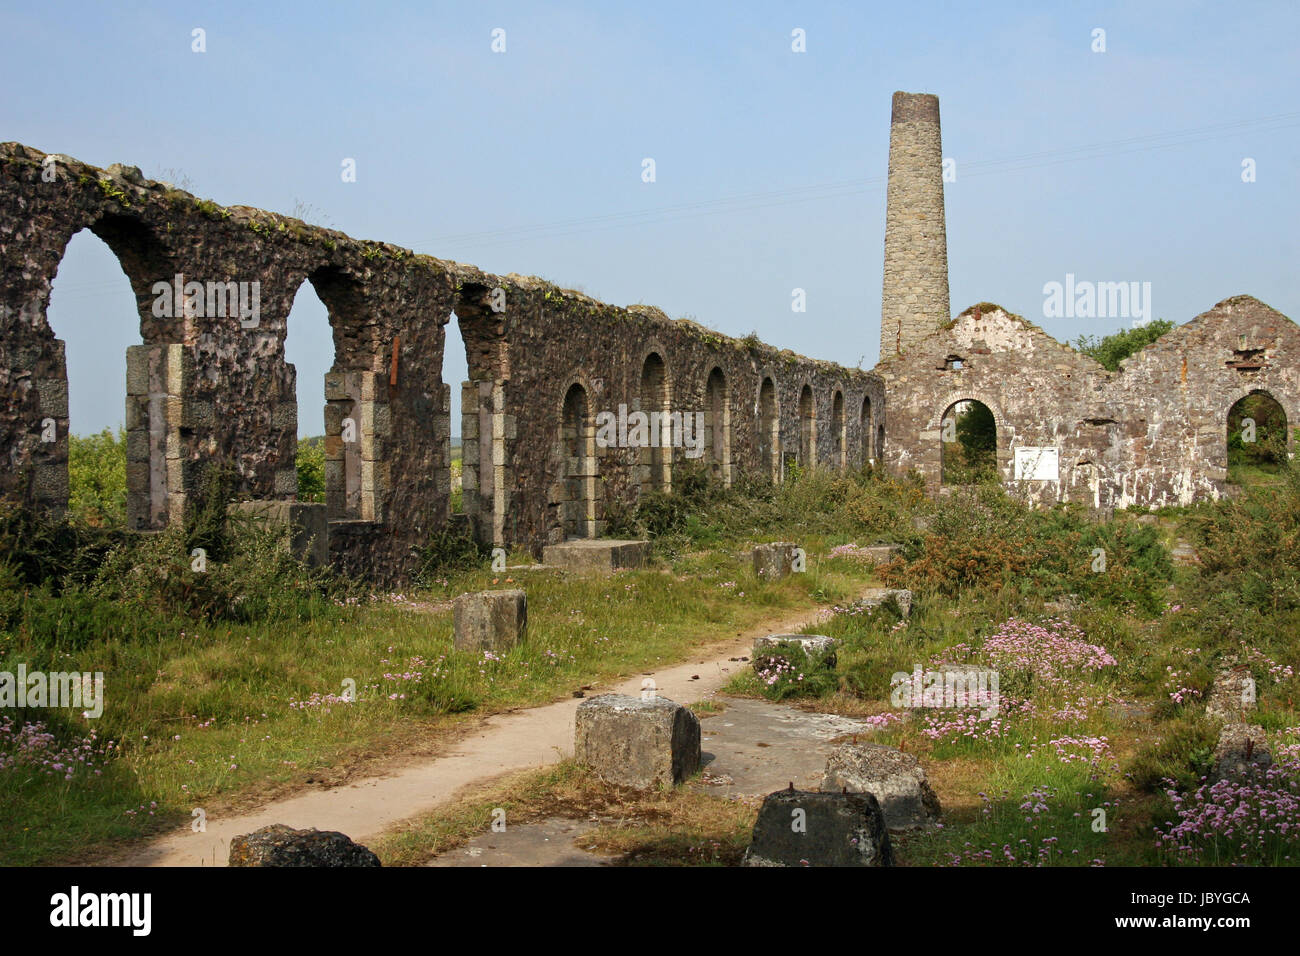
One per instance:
(1115,166)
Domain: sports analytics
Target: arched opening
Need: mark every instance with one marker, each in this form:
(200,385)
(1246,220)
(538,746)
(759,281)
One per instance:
(807,429)
(969,441)
(577,492)
(657,457)
(769,430)
(1256,438)
(455,369)
(356,412)
(149,335)
(839,443)
(866,428)
(79,379)
(479,325)
(717,426)
(309,351)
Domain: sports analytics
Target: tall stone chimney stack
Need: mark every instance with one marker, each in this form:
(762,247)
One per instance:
(915,299)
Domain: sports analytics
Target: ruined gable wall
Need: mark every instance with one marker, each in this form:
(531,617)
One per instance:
(1039,391)
(1152,434)
(1176,394)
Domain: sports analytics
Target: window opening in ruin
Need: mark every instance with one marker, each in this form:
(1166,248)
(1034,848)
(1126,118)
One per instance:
(357,426)
(1256,439)
(100,453)
(455,369)
(717,425)
(577,446)
(769,429)
(807,429)
(309,351)
(1247,360)
(657,460)
(838,431)
(968,444)
(866,429)
(954,363)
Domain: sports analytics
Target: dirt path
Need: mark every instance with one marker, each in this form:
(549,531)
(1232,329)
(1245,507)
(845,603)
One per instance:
(520,740)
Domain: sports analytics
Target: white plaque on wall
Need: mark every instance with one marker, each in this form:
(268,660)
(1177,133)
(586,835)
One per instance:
(1038,464)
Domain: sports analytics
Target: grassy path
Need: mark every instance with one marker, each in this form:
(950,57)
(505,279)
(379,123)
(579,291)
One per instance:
(505,743)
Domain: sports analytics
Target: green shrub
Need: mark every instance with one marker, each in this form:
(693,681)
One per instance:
(97,478)
(250,575)
(310,462)
(984,538)
(787,671)
(39,549)
(1183,753)
(449,549)
(1116,347)
(1249,548)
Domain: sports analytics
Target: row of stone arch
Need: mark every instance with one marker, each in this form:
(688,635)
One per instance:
(577,443)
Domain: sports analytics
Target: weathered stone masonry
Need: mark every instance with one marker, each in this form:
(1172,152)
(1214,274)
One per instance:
(544,362)
(915,287)
(204,388)
(1153,433)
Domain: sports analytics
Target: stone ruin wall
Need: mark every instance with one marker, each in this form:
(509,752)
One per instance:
(203,390)
(1153,433)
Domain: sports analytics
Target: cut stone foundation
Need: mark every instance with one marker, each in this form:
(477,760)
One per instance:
(799,828)
(637,743)
(894,778)
(596,555)
(775,561)
(489,620)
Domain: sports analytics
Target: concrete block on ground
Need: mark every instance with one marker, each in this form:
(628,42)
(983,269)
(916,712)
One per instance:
(637,743)
(880,553)
(799,828)
(307,521)
(1232,695)
(1242,750)
(873,597)
(596,554)
(490,620)
(894,778)
(776,560)
(279,845)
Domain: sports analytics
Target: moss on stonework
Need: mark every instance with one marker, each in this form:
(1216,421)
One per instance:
(113,192)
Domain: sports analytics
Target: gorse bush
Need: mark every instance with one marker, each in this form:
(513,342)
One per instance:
(1249,548)
(984,538)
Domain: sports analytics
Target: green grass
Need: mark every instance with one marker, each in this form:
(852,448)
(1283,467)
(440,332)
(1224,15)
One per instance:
(225,690)
(202,709)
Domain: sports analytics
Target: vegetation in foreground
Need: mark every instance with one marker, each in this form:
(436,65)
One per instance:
(231,688)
